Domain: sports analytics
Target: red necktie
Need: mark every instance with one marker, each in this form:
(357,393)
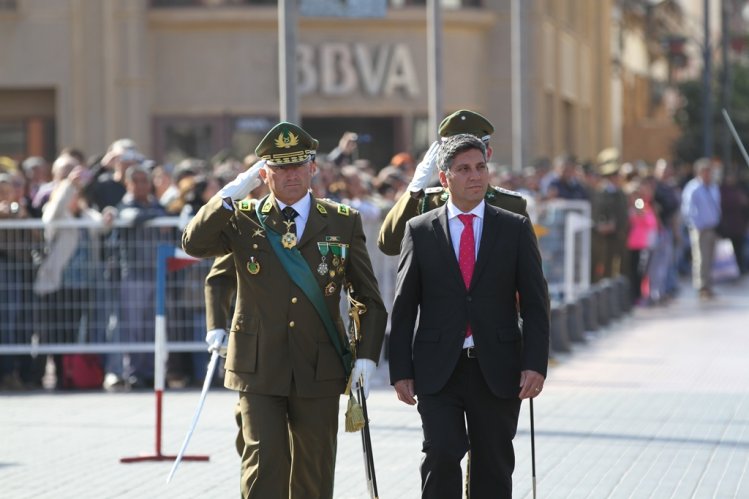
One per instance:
(467,254)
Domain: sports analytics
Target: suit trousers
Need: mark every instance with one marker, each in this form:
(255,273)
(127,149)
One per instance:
(491,426)
(290,445)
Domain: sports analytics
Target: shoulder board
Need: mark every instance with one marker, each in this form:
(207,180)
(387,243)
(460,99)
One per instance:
(508,192)
(434,190)
(246,205)
(325,205)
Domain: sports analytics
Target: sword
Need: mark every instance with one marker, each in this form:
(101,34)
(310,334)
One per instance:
(366,442)
(206,385)
(735,136)
(355,309)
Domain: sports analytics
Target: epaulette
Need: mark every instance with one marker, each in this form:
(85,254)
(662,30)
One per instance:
(508,192)
(434,190)
(246,205)
(340,208)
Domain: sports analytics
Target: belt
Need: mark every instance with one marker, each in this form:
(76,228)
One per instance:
(469,353)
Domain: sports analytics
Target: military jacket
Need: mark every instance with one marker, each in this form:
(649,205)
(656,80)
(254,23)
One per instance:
(276,334)
(394,226)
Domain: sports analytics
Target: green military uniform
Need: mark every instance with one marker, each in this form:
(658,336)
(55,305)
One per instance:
(609,207)
(220,291)
(407,207)
(280,356)
(411,204)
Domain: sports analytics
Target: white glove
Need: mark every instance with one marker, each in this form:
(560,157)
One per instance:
(425,169)
(362,373)
(217,341)
(245,182)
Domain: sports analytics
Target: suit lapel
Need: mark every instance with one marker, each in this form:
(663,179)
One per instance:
(489,233)
(442,234)
(316,223)
(274,219)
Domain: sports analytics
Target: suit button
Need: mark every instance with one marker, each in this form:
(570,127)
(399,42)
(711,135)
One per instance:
(294,300)
(291,324)
(468,298)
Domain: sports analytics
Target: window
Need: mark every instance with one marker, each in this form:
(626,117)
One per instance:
(12,138)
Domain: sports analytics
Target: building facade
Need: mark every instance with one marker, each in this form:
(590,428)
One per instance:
(194,77)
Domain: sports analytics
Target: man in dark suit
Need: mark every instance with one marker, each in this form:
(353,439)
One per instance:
(288,352)
(467,269)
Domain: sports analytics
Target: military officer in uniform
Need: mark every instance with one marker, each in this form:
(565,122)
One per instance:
(609,211)
(288,355)
(419,199)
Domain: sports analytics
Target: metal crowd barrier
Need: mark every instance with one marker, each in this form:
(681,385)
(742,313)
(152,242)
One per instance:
(105,302)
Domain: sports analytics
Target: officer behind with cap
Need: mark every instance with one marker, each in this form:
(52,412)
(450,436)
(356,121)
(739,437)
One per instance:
(420,199)
(288,355)
(610,215)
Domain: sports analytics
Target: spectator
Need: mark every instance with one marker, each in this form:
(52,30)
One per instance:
(567,184)
(667,198)
(700,206)
(108,185)
(135,247)
(345,151)
(37,172)
(65,280)
(643,231)
(15,276)
(735,216)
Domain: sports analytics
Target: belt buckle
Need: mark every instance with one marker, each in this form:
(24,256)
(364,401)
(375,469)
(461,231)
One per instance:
(471,352)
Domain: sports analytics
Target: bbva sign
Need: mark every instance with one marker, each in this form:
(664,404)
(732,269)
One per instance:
(338,69)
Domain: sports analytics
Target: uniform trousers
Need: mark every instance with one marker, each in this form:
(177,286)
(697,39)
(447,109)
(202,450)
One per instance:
(491,426)
(290,445)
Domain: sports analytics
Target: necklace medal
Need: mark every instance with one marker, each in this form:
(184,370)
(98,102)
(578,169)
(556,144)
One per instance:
(324,248)
(288,239)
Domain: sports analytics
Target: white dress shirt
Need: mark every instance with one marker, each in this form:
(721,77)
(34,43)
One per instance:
(456,230)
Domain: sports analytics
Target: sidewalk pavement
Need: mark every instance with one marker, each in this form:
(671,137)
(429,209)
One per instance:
(656,405)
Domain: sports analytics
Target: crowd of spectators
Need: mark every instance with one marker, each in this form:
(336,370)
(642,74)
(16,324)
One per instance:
(640,228)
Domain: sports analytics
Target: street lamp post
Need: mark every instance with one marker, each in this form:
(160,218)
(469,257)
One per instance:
(707,102)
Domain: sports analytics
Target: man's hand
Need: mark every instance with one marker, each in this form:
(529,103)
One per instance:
(405,390)
(362,373)
(425,169)
(217,341)
(531,384)
(245,182)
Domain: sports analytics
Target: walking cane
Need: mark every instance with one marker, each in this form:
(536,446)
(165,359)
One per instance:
(533,452)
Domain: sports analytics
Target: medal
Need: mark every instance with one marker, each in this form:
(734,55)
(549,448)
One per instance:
(253,267)
(288,239)
(335,248)
(324,248)
(330,289)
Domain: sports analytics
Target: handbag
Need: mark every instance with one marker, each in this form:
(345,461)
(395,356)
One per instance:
(724,262)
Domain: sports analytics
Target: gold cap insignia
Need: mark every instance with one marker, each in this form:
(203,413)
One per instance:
(286,141)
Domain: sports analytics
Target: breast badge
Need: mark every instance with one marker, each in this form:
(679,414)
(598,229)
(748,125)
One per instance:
(253,267)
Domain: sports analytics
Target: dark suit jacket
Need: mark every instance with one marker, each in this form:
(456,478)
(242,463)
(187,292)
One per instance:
(430,285)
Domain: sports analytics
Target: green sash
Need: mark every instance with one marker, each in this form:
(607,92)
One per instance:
(300,273)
